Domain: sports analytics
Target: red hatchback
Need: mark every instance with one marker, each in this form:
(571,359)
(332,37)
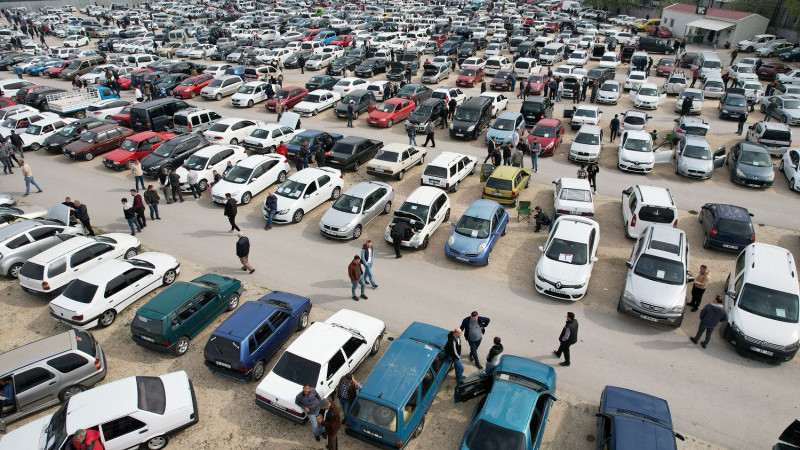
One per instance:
(55,71)
(470,76)
(123,117)
(191,87)
(6,101)
(665,67)
(390,112)
(549,133)
(288,96)
(344,40)
(536,82)
(135,147)
(768,71)
(125,80)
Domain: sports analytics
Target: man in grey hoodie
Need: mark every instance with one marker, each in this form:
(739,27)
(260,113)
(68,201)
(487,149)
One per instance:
(710,316)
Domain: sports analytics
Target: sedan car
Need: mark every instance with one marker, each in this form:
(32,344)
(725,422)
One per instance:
(568,258)
(587,144)
(787,108)
(321,82)
(317,101)
(470,76)
(646,96)
(356,208)
(634,80)
(424,209)
(477,232)
(572,196)
(631,419)
(97,296)
(418,93)
(371,66)
(750,164)
(251,176)
(304,191)
(318,61)
(769,70)
(288,97)
(391,111)
(394,159)
(135,148)
(697,100)
(665,67)
(506,183)
(231,129)
(732,106)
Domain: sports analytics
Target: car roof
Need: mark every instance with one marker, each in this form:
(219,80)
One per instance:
(364,188)
(212,150)
(574,228)
(481,208)
(589,128)
(232,120)
(27,354)
(505,172)
(621,401)
(747,146)
(323,339)
(696,140)
(251,314)
(424,195)
(731,212)
(548,122)
(575,183)
(445,158)
(694,120)
(509,115)
(764,264)
(254,160)
(666,241)
(166,301)
(320,92)
(62,248)
(312,173)
(775,125)
(509,403)
(655,195)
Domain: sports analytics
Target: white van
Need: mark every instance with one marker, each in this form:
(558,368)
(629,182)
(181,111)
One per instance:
(761,299)
(523,67)
(709,63)
(447,170)
(551,54)
(194,120)
(177,36)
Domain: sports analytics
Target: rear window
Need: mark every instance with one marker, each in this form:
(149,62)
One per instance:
(180,120)
(151,395)
(80,291)
(297,369)
(32,270)
(148,325)
(436,172)
(224,349)
(497,183)
(656,215)
(735,227)
(777,135)
(374,414)
(85,342)
(500,437)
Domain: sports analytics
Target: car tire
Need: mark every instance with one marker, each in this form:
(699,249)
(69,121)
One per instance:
(376,346)
(181,346)
(297,216)
(389,125)
(282,176)
(619,305)
(303,322)
(316,111)
(35,146)
(234,141)
(130,253)
(355,167)
(680,320)
(233,301)
(192,95)
(455,187)
(387,208)
(706,243)
(169,277)
(447,215)
(791,184)
(783,119)
(419,428)
(781,166)
(88,156)
(69,391)
(425,242)
(107,318)
(421,160)
(505,228)
(401,174)
(337,191)
(246,197)
(258,371)
(356,232)
(156,443)
(528,183)
(202,185)
(218,97)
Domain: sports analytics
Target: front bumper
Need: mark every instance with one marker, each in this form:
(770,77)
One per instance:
(500,198)
(650,314)
(757,348)
(744,181)
(634,167)
(475,259)
(557,290)
(335,232)
(583,157)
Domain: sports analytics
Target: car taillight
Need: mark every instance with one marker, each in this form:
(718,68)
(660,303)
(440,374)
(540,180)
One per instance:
(398,444)
(633,220)
(713,232)
(587,214)
(562,211)
(513,193)
(243,369)
(447,185)
(679,130)
(752,238)
(341,175)
(45,285)
(78,318)
(217,137)
(675,225)
(97,364)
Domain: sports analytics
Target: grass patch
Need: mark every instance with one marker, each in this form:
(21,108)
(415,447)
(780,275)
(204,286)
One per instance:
(692,212)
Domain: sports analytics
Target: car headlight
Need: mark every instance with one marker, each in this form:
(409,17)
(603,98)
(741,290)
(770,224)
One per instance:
(283,212)
(346,227)
(482,247)
(739,173)
(451,126)
(550,145)
(771,177)
(684,166)
(471,128)
(628,295)
(416,238)
(736,329)
(451,240)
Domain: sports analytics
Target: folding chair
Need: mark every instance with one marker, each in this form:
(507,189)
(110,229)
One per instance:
(524,210)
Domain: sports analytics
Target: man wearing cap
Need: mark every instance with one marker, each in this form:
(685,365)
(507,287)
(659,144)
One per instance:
(330,418)
(346,390)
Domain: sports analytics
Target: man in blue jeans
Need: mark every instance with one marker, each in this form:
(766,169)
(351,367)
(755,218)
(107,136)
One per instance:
(310,402)
(453,350)
(356,277)
(271,207)
(473,327)
(367,257)
(130,216)
(350,113)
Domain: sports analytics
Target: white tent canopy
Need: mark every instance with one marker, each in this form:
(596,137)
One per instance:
(710,24)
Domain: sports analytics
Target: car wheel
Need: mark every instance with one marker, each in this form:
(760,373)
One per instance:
(192,95)
(516,201)
(303,322)
(35,146)
(156,443)
(791,184)
(337,191)
(88,156)
(781,166)
(128,165)
(401,174)
(233,301)
(387,208)
(357,232)
(131,253)
(783,119)
(169,277)
(680,321)
(376,346)
(424,243)
(505,228)
(258,371)
(619,305)
(447,215)
(316,111)
(234,141)
(282,177)
(455,187)
(69,391)
(421,160)
(527,183)
(218,97)
(107,318)
(202,185)
(298,216)
(389,125)
(246,197)
(181,346)
(418,429)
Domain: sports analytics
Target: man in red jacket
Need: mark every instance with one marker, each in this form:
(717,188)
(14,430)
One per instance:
(86,440)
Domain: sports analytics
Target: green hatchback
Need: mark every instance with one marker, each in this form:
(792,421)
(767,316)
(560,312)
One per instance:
(182,311)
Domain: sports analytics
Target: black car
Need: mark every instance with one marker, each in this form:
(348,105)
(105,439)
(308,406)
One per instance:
(357,52)
(371,66)
(293,61)
(71,133)
(467,49)
(471,118)
(428,111)
(732,105)
(172,153)
(599,75)
(38,98)
(168,83)
(361,100)
(11,59)
(321,82)
(480,43)
(536,108)
(338,65)
(397,71)
(185,67)
(352,151)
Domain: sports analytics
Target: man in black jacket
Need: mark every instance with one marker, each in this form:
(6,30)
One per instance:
(453,350)
(243,251)
(398,235)
(569,336)
(82,214)
(710,316)
(451,106)
(175,184)
(474,326)
(230,212)
(493,358)
(16,141)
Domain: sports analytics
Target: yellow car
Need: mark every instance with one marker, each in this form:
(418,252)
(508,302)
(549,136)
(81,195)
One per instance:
(505,184)
(645,25)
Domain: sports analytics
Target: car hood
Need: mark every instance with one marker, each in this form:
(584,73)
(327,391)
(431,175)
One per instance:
(588,148)
(791,113)
(466,244)
(336,218)
(752,171)
(408,215)
(26,435)
(380,115)
(119,155)
(545,142)
(567,274)
(655,293)
(419,118)
(77,146)
(697,164)
(637,157)
(764,329)
(287,203)
(501,135)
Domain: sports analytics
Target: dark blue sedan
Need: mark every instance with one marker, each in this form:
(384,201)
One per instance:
(631,420)
(726,227)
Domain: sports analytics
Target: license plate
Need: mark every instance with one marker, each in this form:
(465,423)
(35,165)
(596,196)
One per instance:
(459,134)
(222,364)
(730,246)
(762,351)
(434,182)
(651,319)
(461,258)
(276,405)
(148,339)
(556,291)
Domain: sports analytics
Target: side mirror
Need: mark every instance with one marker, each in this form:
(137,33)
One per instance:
(689,279)
(595,259)
(679,436)
(390,339)
(629,264)
(306,196)
(553,182)
(541,248)
(731,293)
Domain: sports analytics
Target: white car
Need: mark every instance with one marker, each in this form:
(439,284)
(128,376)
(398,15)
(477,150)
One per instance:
(790,166)
(346,85)
(647,96)
(316,102)
(644,205)
(634,120)
(697,100)
(251,176)
(568,257)
(97,296)
(36,133)
(585,115)
(249,94)
(231,130)
(222,86)
(635,152)
(587,144)
(304,191)
(202,51)
(675,83)
(572,196)
(755,42)
(634,80)
(425,209)
(377,87)
(336,51)
(608,92)
(579,58)
(496,64)
(499,101)
(609,60)
(792,77)
(76,40)
(655,287)
(104,109)
(494,49)
(563,70)
(53,269)
(217,69)
(208,159)
(275,56)
(741,71)
(134,412)
(98,74)
(266,138)
(447,94)
(474,61)
(326,351)
(319,60)
(394,159)
(750,88)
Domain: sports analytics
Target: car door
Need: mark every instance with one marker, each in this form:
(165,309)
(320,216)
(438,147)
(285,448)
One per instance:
(323,191)
(791,169)
(219,161)
(42,238)
(138,282)
(258,179)
(187,320)
(372,205)
(124,432)
(628,204)
(36,386)
(334,370)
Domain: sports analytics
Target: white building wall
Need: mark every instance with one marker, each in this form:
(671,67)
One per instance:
(749,27)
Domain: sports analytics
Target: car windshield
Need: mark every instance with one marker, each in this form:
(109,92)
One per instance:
(791,104)
(56,431)
(283,94)
(386,155)
(188,82)
(582,112)
(587,138)
(291,189)
(637,145)
(238,175)
(80,291)
(548,51)
(387,107)
(219,127)
(610,58)
(693,95)
(695,130)
(297,369)
(194,162)
(425,110)
(468,72)
(473,227)
(375,414)
(215,83)
(67,130)
(569,252)
(736,101)
(650,92)
(544,131)
(88,137)
(667,62)
(503,124)
(129,145)
(348,204)
(490,436)
(34,129)
(317,79)
(769,303)
(246,89)
(260,133)
(435,171)
(755,159)
(718,84)
(416,209)
(659,269)
(697,152)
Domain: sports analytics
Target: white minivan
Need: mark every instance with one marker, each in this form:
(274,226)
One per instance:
(645,205)
(447,170)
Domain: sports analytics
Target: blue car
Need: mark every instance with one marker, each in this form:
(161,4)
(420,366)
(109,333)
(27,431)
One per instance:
(241,345)
(41,67)
(504,126)
(631,420)
(390,408)
(726,227)
(791,56)
(326,37)
(750,165)
(514,413)
(313,138)
(477,232)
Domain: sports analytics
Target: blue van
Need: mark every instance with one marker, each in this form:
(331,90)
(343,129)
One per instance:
(390,408)
(241,345)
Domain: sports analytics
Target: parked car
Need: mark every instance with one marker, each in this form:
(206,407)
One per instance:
(535,108)
(352,151)
(321,82)
(690,126)
(317,101)
(266,138)
(97,141)
(790,166)
(628,417)
(288,98)
(355,209)
(504,127)
(568,257)
(231,129)
(469,76)
(732,106)
(304,191)
(172,153)
(506,183)
(135,148)
(635,152)
(750,165)
(550,133)
(391,111)
(726,227)
(477,232)
(644,205)
(787,108)
(250,177)
(393,160)
(585,115)
(222,86)
(693,157)
(447,170)
(425,209)
(587,144)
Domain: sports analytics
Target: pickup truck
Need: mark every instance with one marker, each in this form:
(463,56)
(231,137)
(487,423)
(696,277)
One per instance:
(75,103)
(352,151)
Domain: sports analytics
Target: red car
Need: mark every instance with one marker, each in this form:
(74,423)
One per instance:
(438,38)
(190,87)
(344,40)
(769,70)
(665,67)
(125,80)
(309,35)
(537,81)
(549,133)
(55,71)
(552,27)
(6,101)
(390,112)
(660,32)
(23,92)
(470,76)
(288,96)
(123,117)
(135,147)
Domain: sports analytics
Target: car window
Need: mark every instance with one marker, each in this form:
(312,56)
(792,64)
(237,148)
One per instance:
(335,364)
(204,298)
(41,233)
(67,363)
(278,319)
(261,335)
(57,268)
(185,312)
(427,383)
(411,406)
(31,378)
(352,345)
(18,242)
(120,427)
(115,285)
(99,249)
(80,257)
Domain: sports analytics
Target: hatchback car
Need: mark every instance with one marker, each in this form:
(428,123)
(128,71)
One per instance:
(504,126)
(304,191)
(750,165)
(635,152)
(726,227)
(251,176)
(631,419)
(506,183)
(608,92)
(425,209)
(288,97)
(550,134)
(391,111)
(477,232)
(693,157)
(645,205)
(690,126)
(790,166)
(535,108)
(732,106)
(646,96)
(356,208)
(568,257)
(470,76)
(221,87)
(697,100)
(191,87)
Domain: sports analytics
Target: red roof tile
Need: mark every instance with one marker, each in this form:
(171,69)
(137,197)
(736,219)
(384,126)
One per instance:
(711,12)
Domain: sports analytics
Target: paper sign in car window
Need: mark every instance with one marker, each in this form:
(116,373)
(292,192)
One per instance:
(660,273)
(565,257)
(780,313)
(474,233)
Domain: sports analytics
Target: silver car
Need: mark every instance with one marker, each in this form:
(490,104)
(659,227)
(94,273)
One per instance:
(221,87)
(355,209)
(693,157)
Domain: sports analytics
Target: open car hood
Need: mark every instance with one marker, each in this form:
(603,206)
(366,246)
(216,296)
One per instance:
(59,213)
(408,215)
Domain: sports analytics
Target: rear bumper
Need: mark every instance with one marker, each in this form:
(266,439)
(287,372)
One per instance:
(83,325)
(152,345)
(350,432)
(280,412)
(230,373)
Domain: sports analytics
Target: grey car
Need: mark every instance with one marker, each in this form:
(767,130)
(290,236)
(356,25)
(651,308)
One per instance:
(693,157)
(49,371)
(25,239)
(355,209)
(787,109)
(751,165)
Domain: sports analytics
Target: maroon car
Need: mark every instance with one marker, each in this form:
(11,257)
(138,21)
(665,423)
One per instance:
(665,67)
(769,70)
(288,96)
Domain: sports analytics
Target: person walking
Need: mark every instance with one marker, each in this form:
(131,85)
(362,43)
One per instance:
(576,93)
(443,117)
(483,86)
(699,287)
(429,137)
(350,114)
(138,207)
(302,62)
(17,142)
(130,216)
(491,147)
(330,419)
(398,234)
(163,184)
(741,121)
(175,185)
(279,110)
(474,327)
(5,151)
(560,90)
(230,212)
(493,358)
(271,207)
(711,315)
(592,171)
(412,134)
(138,174)
(453,349)
(536,150)
(356,277)
(771,107)
(346,390)
(310,402)
(614,127)
(191,180)
(451,106)
(695,75)
(82,215)
(27,173)
(568,337)
(367,258)
(151,198)
(243,252)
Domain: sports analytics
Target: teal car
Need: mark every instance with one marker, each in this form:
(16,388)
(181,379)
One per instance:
(182,311)
(514,411)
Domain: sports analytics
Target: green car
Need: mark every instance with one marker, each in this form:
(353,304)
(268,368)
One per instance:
(182,311)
